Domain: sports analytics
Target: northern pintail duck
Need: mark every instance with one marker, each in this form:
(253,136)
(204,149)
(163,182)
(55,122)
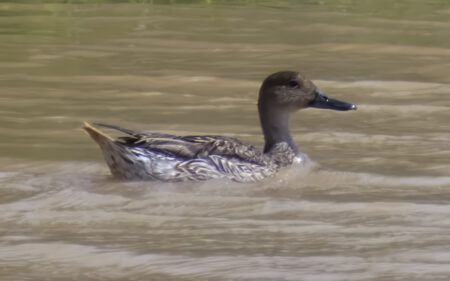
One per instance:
(155,156)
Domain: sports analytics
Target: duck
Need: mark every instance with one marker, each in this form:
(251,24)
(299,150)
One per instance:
(171,158)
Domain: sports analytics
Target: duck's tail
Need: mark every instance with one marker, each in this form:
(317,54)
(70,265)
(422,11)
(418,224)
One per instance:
(100,137)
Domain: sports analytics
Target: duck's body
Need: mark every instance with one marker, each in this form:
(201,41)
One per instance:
(139,156)
(164,157)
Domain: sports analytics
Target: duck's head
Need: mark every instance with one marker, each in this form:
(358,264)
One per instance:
(283,93)
(290,91)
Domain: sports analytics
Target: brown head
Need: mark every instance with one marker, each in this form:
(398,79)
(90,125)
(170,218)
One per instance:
(288,90)
(283,93)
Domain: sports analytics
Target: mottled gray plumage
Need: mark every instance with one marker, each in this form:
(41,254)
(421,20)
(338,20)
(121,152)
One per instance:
(139,156)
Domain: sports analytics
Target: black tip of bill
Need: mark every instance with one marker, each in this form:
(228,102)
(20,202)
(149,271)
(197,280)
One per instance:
(322,101)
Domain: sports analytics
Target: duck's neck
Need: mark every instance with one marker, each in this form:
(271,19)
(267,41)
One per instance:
(275,126)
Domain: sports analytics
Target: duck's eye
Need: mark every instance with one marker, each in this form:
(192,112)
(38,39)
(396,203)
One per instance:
(293,84)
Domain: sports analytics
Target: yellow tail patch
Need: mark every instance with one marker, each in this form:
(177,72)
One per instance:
(97,135)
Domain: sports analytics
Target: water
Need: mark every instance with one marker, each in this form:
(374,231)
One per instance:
(374,206)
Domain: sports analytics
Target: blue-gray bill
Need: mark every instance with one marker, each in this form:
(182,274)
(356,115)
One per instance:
(323,101)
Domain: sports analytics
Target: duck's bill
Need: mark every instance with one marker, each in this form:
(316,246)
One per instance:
(322,101)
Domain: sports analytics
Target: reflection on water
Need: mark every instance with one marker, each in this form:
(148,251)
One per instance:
(373,206)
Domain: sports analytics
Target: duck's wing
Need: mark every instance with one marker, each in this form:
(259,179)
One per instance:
(163,143)
(191,147)
(229,147)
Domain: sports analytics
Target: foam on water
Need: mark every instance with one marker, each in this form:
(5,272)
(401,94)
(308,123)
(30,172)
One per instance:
(75,202)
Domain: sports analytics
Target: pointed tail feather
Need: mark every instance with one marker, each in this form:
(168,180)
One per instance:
(128,132)
(100,137)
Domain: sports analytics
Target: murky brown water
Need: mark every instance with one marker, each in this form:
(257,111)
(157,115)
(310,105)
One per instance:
(375,207)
